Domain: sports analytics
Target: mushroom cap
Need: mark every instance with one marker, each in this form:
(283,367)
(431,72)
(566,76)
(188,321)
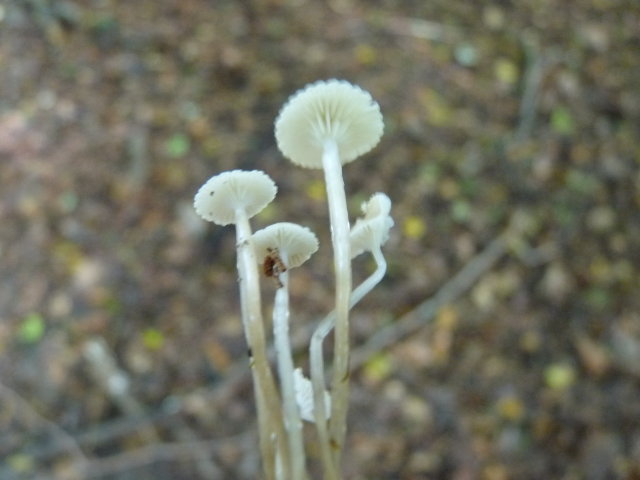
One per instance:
(372,230)
(292,241)
(304,397)
(328,110)
(218,199)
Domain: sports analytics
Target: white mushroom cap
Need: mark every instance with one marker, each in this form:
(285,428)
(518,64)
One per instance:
(293,242)
(372,230)
(304,396)
(328,110)
(218,199)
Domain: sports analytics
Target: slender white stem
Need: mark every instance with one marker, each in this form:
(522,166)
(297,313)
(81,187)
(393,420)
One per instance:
(339,218)
(372,280)
(292,420)
(271,428)
(317,361)
(319,408)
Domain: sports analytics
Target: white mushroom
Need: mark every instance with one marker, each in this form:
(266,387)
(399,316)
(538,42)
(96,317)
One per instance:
(304,396)
(220,198)
(328,111)
(232,198)
(371,231)
(326,125)
(293,242)
(368,234)
(284,246)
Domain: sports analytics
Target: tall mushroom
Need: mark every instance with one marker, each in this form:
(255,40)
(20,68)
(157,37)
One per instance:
(232,198)
(281,247)
(326,125)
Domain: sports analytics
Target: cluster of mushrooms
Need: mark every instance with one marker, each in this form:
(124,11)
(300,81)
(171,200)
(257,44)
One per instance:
(324,125)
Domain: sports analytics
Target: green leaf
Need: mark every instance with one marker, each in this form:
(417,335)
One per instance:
(153,339)
(461,211)
(178,145)
(559,376)
(562,121)
(32,328)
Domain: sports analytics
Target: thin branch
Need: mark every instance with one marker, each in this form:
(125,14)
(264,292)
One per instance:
(422,29)
(195,451)
(60,435)
(424,312)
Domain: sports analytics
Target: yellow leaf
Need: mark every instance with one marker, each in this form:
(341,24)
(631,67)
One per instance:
(511,408)
(378,368)
(414,227)
(153,339)
(316,191)
(506,71)
(559,376)
(365,54)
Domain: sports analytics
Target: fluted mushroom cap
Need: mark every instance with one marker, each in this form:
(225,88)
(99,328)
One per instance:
(372,230)
(293,242)
(218,199)
(332,109)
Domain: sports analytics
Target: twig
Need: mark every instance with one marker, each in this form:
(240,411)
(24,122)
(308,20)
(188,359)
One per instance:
(422,29)
(188,450)
(62,438)
(535,65)
(425,311)
(116,383)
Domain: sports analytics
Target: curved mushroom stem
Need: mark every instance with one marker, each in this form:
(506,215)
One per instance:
(317,360)
(292,420)
(339,218)
(271,428)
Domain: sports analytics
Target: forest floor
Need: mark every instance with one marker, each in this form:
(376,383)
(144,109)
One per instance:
(504,342)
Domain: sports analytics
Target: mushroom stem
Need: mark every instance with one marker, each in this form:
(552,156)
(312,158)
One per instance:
(317,359)
(372,280)
(271,427)
(342,268)
(292,420)
(319,408)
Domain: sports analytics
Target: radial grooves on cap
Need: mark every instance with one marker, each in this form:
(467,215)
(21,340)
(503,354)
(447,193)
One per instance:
(332,109)
(219,198)
(293,241)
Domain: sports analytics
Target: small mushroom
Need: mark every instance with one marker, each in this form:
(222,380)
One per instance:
(292,243)
(372,230)
(285,246)
(223,195)
(232,198)
(368,234)
(328,111)
(304,396)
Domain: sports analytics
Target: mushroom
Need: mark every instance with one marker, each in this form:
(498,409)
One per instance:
(325,125)
(237,192)
(369,233)
(304,396)
(232,198)
(293,243)
(284,246)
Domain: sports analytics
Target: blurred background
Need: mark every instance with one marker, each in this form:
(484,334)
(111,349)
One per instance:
(511,154)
